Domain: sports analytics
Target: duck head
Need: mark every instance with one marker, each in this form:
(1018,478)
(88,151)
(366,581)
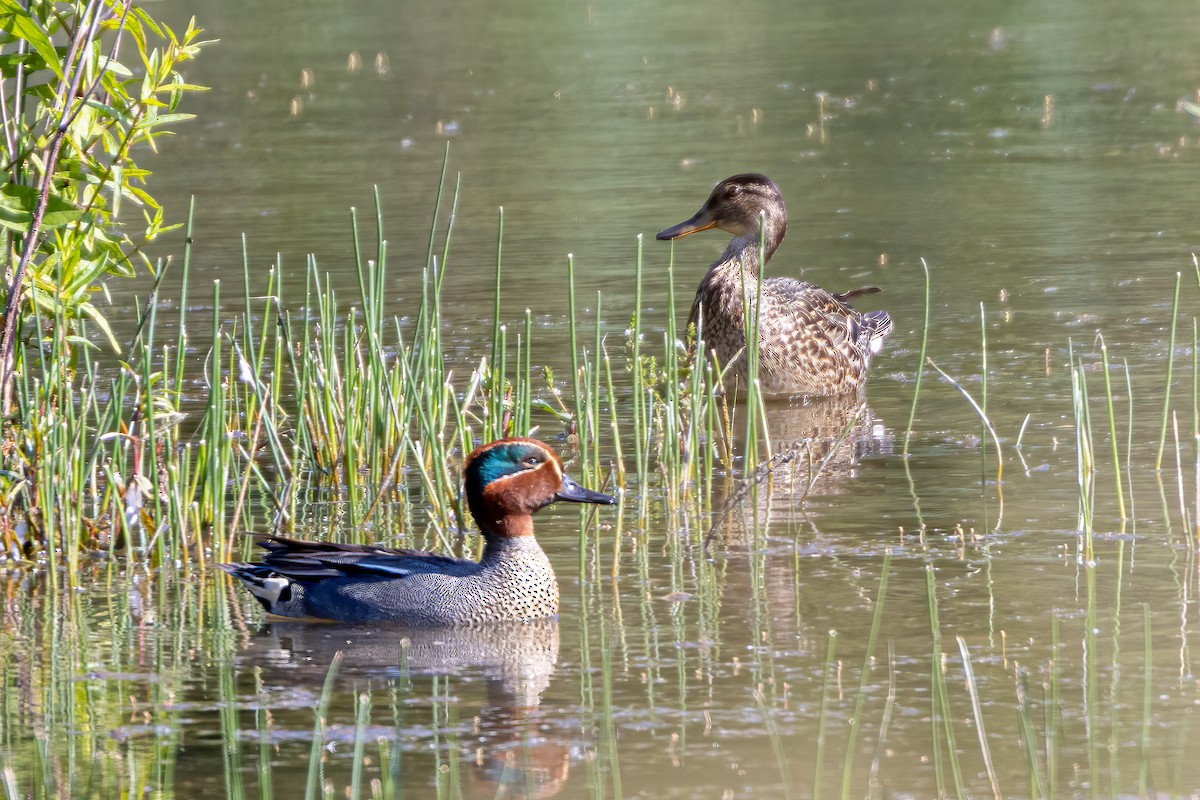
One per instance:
(507,480)
(741,206)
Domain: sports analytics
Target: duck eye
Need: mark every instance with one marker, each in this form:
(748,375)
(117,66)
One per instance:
(733,191)
(533,461)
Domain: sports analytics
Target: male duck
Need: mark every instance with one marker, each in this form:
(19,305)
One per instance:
(811,342)
(506,481)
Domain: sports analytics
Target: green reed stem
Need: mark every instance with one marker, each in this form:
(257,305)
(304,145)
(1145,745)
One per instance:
(640,413)
(593,393)
(873,787)
(1147,667)
(777,747)
(1033,764)
(181,340)
(864,677)
(574,336)
(1162,438)
(987,424)
(977,712)
(1112,431)
(614,422)
(942,718)
(526,388)
(983,387)
(362,719)
(1085,464)
(912,413)
(1091,687)
(318,732)
(751,326)
(499,272)
(215,472)
(1129,440)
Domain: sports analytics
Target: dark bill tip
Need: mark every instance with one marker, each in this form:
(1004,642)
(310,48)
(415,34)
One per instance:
(700,222)
(574,493)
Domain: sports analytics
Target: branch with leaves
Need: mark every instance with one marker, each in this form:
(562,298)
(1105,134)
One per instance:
(72,113)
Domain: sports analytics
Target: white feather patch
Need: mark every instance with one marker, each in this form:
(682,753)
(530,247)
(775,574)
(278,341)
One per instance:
(268,589)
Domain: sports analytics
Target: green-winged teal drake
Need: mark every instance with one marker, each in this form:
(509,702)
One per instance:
(811,342)
(505,482)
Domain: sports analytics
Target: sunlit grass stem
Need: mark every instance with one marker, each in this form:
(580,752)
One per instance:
(987,424)
(641,425)
(864,678)
(977,714)
(1162,438)
(320,724)
(1112,431)
(1084,458)
(942,718)
(912,413)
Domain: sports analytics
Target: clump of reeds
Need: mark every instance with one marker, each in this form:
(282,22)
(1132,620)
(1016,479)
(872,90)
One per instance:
(330,397)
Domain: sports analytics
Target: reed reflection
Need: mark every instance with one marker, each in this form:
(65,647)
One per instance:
(816,445)
(506,750)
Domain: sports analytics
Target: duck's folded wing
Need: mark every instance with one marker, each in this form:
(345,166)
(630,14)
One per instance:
(314,561)
(810,311)
(395,566)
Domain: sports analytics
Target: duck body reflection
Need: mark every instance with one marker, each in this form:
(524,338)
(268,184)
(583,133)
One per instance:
(818,446)
(518,656)
(508,753)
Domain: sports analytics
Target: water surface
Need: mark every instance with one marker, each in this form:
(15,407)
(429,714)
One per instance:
(1032,154)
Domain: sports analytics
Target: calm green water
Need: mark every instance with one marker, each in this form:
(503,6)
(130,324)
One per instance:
(1031,153)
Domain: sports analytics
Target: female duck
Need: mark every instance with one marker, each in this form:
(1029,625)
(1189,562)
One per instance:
(811,342)
(505,483)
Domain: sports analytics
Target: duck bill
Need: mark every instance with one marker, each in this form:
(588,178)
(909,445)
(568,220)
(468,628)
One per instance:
(574,493)
(701,222)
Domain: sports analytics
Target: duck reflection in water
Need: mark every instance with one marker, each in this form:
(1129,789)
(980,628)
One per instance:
(510,753)
(817,446)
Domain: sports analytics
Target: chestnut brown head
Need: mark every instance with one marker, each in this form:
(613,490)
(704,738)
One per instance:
(516,477)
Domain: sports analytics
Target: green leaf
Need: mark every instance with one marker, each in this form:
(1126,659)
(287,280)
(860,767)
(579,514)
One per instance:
(80,341)
(14,19)
(166,119)
(134,26)
(117,68)
(89,310)
(148,21)
(17,204)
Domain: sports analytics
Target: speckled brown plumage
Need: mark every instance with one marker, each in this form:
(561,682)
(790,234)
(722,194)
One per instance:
(811,342)
(505,483)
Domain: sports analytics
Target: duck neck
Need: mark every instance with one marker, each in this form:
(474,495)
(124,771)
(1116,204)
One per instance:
(500,547)
(509,526)
(743,251)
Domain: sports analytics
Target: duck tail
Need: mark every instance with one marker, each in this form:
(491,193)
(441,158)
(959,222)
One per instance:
(876,326)
(274,592)
(853,293)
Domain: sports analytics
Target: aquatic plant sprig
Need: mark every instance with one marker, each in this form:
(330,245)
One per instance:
(987,423)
